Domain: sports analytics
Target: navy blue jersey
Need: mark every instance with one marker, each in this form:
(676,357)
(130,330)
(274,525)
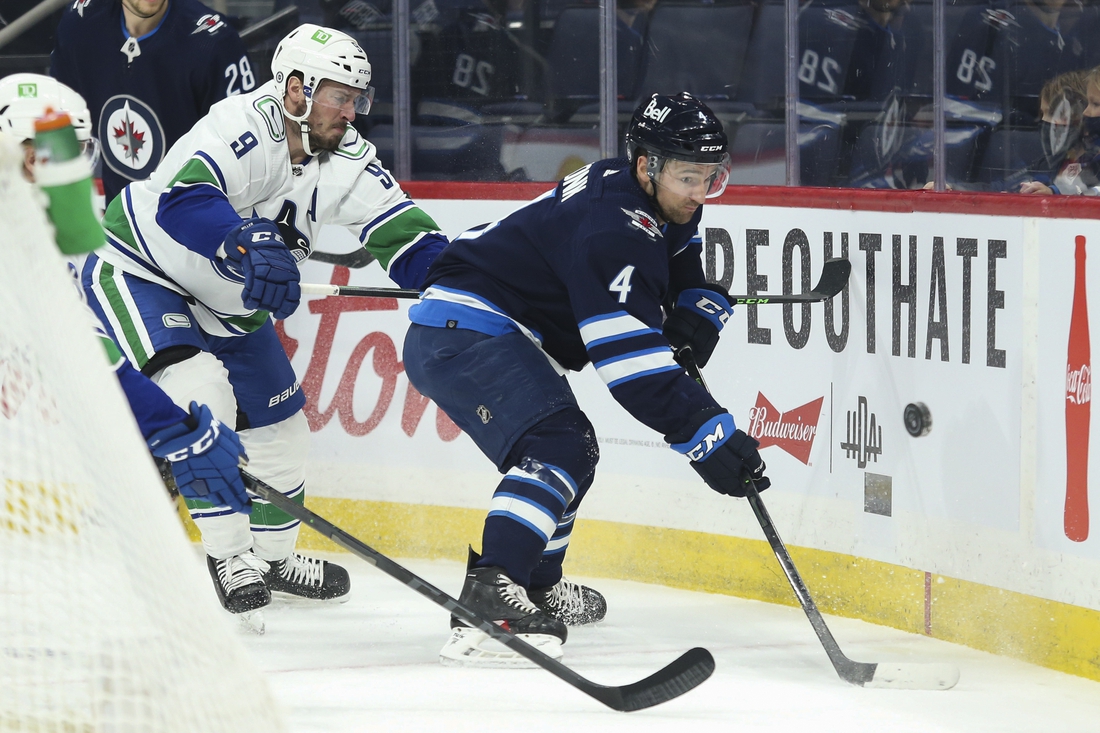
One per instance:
(1004,52)
(143,102)
(584,272)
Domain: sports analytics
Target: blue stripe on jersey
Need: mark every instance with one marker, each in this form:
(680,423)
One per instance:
(214,167)
(625,367)
(525,511)
(559,542)
(383,217)
(472,312)
(610,327)
(555,481)
(696,239)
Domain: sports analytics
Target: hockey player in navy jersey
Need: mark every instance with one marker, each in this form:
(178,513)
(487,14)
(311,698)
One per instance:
(149,70)
(585,273)
(203,454)
(203,255)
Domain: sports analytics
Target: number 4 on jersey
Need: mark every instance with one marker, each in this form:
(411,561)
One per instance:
(621,283)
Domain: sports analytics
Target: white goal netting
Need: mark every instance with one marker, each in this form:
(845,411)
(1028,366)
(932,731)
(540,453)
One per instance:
(107,619)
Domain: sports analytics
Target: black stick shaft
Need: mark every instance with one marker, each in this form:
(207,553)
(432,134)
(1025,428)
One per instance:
(858,673)
(682,675)
(834,275)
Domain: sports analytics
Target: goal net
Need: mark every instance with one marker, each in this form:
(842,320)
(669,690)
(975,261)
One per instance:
(107,619)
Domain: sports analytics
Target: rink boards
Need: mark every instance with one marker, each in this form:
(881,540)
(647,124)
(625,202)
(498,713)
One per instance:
(961,303)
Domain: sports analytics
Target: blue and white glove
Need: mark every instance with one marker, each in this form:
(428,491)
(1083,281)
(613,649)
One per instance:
(271,277)
(204,455)
(698,317)
(726,458)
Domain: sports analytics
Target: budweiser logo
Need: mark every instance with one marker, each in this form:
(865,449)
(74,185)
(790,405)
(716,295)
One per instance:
(1079,385)
(793,431)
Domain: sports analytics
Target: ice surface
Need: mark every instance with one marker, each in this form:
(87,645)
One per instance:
(371,665)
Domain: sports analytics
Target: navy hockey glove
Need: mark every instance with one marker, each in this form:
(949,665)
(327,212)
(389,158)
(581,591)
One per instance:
(696,320)
(204,455)
(726,458)
(271,276)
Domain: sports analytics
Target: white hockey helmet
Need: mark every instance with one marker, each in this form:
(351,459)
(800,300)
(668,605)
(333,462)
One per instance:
(317,54)
(25,97)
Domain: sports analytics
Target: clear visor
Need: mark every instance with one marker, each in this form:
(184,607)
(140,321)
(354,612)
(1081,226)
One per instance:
(345,98)
(90,149)
(692,180)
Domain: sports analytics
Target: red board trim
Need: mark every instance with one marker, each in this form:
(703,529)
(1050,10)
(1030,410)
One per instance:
(842,199)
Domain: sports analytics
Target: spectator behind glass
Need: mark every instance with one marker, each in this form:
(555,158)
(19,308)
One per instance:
(149,70)
(1069,152)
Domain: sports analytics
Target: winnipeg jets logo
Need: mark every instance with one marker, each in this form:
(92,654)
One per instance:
(133,139)
(211,23)
(844,19)
(79,6)
(645,222)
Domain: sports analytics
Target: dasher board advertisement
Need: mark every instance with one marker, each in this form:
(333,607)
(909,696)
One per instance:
(941,309)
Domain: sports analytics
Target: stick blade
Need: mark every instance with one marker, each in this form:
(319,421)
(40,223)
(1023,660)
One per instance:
(683,675)
(834,276)
(914,676)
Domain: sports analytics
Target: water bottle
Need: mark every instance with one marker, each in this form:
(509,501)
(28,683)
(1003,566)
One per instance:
(65,175)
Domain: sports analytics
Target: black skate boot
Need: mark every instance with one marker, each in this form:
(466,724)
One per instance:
(308,577)
(497,598)
(239,581)
(571,603)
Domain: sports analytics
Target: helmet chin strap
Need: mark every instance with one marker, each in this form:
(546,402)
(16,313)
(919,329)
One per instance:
(302,124)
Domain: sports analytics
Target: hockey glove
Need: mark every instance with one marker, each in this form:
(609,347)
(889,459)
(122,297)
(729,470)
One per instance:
(726,458)
(696,320)
(271,276)
(204,455)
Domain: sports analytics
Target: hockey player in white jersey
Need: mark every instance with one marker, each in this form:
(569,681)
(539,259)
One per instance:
(202,453)
(204,254)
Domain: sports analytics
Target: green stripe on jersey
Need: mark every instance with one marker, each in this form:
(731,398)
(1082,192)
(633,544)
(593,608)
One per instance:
(385,241)
(196,171)
(118,307)
(114,355)
(248,324)
(114,221)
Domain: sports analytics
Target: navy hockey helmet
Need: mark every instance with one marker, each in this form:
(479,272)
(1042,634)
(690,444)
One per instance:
(679,127)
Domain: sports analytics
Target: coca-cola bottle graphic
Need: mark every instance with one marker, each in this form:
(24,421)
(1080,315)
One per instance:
(1078,398)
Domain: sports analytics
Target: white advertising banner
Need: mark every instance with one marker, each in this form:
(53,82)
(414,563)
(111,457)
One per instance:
(969,315)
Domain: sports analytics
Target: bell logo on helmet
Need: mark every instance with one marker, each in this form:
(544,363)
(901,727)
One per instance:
(28,91)
(321,37)
(655,113)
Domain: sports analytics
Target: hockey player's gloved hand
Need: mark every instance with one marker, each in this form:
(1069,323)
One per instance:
(696,320)
(204,455)
(271,275)
(725,457)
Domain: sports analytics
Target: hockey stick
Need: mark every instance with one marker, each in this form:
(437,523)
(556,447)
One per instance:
(834,275)
(682,675)
(355,260)
(900,676)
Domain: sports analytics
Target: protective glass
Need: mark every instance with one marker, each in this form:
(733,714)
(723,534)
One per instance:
(685,178)
(344,98)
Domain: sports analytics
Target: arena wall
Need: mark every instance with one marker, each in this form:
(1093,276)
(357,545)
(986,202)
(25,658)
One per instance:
(961,302)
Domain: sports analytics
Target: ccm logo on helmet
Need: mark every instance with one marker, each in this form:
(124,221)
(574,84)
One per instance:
(709,148)
(653,113)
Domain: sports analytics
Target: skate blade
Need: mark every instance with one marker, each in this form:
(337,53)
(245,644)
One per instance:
(252,621)
(292,599)
(469,647)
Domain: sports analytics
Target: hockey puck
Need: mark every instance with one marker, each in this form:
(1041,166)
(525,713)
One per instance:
(918,420)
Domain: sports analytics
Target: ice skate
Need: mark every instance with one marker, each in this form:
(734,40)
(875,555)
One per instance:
(571,603)
(239,582)
(495,597)
(299,576)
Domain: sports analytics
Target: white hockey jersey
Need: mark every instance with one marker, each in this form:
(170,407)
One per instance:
(239,151)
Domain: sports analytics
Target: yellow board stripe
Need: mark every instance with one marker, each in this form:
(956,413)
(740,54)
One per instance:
(1056,635)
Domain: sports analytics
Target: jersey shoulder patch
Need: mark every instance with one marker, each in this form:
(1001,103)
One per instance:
(643,221)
